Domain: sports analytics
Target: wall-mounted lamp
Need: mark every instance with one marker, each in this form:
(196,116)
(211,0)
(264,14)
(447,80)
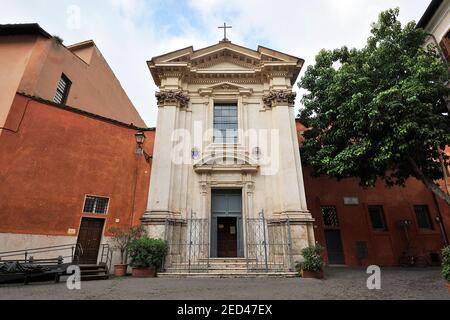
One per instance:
(140,139)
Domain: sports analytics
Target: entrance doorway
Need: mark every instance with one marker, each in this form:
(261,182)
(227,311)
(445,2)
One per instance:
(227,237)
(334,247)
(226,224)
(332,235)
(90,237)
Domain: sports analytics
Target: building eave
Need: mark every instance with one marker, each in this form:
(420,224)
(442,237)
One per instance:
(84,113)
(429,13)
(23,29)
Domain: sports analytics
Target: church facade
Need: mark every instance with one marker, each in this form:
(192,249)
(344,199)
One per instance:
(227,179)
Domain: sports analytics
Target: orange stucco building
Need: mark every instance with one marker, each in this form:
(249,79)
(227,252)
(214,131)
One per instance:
(33,62)
(67,143)
(355,240)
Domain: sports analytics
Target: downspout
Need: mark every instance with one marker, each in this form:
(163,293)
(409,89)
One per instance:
(20,122)
(440,220)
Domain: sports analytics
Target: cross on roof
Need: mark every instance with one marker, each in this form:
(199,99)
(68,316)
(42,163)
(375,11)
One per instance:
(225,27)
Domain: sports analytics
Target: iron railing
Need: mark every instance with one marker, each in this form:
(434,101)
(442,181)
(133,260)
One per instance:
(189,245)
(44,254)
(106,256)
(268,245)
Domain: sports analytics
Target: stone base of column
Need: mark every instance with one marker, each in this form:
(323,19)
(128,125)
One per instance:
(155,222)
(302,230)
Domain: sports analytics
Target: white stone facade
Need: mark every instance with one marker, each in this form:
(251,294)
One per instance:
(265,162)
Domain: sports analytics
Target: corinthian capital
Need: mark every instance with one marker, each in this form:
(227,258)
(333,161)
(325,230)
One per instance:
(172,97)
(276,97)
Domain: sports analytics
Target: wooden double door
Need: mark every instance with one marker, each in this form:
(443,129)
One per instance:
(89,238)
(226,224)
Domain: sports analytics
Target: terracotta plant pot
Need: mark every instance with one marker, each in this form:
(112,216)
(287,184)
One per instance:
(144,272)
(120,270)
(312,274)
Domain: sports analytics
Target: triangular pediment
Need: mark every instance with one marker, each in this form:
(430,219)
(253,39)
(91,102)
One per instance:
(225,65)
(225,88)
(225,58)
(219,163)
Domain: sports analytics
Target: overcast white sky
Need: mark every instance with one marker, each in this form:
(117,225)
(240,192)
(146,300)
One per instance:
(130,32)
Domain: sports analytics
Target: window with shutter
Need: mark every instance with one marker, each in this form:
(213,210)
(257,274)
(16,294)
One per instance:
(423,217)
(62,90)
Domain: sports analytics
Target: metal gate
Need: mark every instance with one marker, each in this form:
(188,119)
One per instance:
(269,245)
(267,241)
(188,242)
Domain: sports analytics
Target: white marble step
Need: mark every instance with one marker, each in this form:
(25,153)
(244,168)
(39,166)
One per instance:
(229,275)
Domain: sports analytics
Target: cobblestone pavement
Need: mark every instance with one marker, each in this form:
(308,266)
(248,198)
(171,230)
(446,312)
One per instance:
(341,283)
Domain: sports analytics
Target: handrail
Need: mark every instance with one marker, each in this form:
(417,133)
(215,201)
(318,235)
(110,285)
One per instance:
(75,249)
(106,251)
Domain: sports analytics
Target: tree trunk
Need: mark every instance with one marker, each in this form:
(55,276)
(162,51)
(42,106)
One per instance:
(435,188)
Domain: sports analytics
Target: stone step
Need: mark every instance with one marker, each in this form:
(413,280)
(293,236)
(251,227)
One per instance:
(93,277)
(229,275)
(216,265)
(227,260)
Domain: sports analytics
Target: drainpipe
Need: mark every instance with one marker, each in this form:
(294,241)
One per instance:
(440,221)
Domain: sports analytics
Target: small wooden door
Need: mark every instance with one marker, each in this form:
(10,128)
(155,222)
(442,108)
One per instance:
(227,240)
(90,237)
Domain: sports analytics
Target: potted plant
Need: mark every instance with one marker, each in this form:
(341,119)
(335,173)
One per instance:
(147,256)
(312,264)
(446,266)
(121,239)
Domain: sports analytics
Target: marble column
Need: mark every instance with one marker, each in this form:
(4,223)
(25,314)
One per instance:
(159,207)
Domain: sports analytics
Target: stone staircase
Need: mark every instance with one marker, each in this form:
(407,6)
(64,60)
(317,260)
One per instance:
(90,272)
(219,268)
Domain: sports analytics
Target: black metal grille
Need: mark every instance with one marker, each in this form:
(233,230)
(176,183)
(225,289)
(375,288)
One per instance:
(188,242)
(269,245)
(329,216)
(96,205)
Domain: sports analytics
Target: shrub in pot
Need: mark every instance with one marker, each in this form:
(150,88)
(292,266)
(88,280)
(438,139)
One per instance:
(147,256)
(121,239)
(446,266)
(312,264)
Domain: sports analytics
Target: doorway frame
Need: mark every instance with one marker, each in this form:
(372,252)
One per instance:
(241,248)
(103,219)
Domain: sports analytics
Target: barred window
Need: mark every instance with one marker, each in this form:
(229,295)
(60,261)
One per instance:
(62,90)
(330,218)
(225,123)
(377,218)
(94,204)
(423,217)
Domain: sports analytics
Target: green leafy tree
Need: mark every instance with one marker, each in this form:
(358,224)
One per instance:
(122,237)
(379,112)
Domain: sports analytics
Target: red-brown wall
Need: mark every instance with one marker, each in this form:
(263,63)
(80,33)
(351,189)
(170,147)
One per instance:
(384,248)
(55,157)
